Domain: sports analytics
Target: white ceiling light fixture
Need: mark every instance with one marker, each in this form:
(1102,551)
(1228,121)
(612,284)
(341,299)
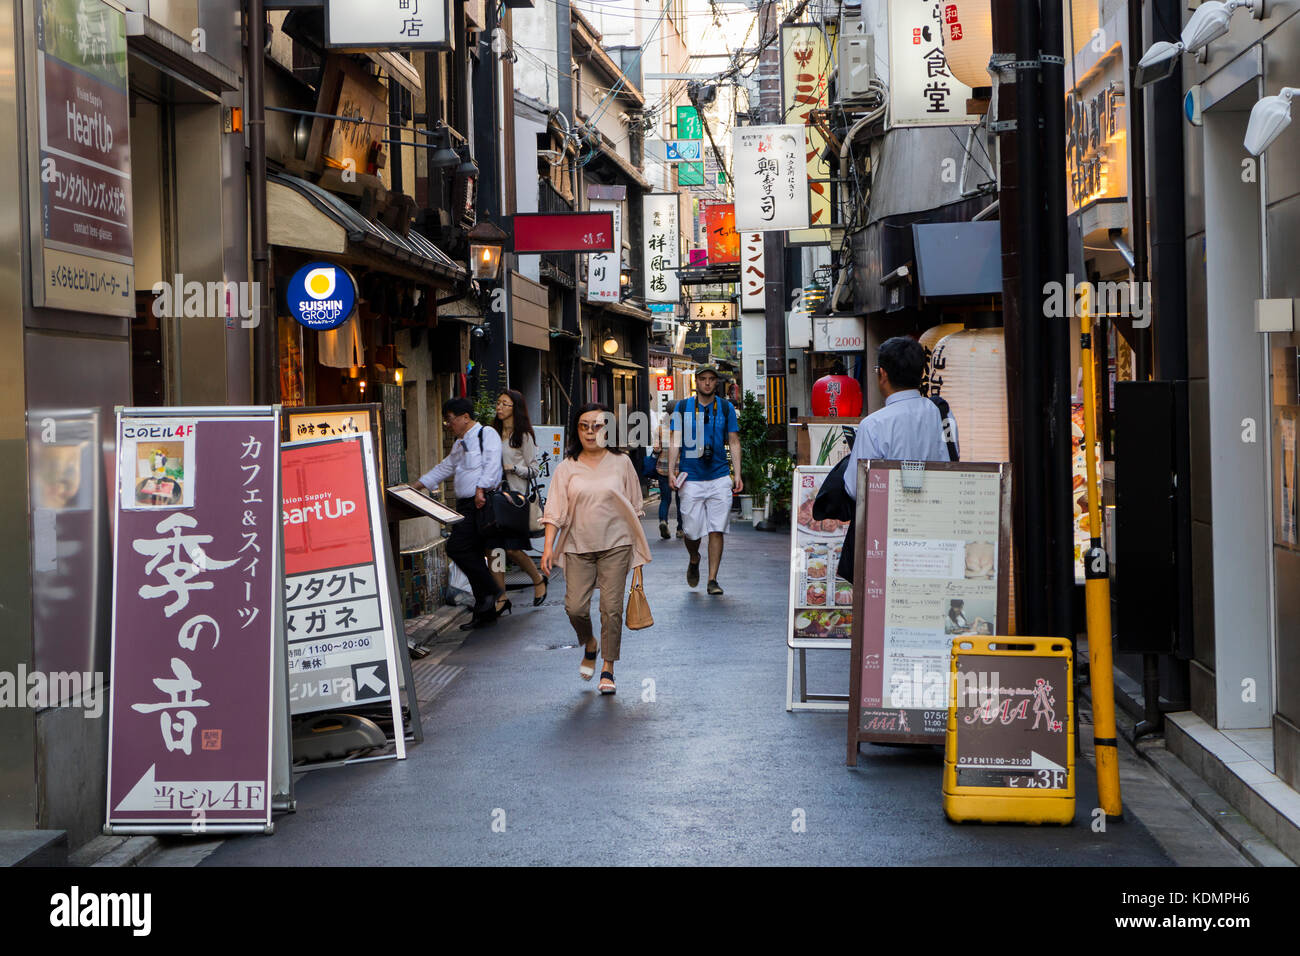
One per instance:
(1268,118)
(1209,22)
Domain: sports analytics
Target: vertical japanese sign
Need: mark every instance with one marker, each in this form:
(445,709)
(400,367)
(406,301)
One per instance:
(194,617)
(805,73)
(771,178)
(720,227)
(339,622)
(662,239)
(550,452)
(689,126)
(921,90)
(82,243)
(753,278)
(603,267)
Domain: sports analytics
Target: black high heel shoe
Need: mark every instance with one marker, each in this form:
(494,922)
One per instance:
(546,586)
(504,608)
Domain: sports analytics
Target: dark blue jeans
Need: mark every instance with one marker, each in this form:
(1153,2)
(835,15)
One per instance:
(665,497)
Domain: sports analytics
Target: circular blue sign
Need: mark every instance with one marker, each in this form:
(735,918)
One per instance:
(321,296)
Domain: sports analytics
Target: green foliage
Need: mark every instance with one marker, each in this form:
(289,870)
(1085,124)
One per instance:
(780,485)
(754,449)
(485,400)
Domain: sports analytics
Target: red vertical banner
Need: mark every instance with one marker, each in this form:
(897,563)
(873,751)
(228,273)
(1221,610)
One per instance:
(723,240)
(196,568)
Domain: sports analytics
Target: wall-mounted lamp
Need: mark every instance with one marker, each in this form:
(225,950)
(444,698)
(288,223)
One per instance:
(1268,118)
(486,243)
(467,165)
(610,345)
(1207,23)
(444,155)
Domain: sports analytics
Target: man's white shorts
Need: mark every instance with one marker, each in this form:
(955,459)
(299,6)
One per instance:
(706,506)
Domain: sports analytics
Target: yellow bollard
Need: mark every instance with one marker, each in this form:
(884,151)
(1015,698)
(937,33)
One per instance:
(1096,569)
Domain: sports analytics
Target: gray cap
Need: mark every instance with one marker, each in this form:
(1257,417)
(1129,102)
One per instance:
(707,368)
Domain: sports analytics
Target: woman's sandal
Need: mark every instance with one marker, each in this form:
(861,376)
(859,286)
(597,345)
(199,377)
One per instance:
(546,586)
(588,670)
(607,676)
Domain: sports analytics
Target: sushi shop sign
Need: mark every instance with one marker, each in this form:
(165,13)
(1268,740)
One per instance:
(321,296)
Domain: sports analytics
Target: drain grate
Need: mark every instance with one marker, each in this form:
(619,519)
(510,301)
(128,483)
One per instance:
(432,679)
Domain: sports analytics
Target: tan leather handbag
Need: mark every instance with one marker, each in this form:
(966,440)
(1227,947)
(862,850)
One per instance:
(638,614)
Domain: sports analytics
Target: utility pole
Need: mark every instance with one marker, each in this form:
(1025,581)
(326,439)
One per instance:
(266,365)
(775,296)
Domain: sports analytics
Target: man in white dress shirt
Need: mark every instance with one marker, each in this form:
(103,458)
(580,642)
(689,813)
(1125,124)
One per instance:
(908,427)
(474,466)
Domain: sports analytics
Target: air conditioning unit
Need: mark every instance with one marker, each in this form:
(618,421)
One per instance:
(857,58)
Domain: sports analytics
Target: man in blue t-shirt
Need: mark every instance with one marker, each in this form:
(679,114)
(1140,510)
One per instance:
(703,428)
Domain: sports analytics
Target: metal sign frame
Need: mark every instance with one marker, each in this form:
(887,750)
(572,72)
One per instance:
(913,473)
(443,6)
(278,757)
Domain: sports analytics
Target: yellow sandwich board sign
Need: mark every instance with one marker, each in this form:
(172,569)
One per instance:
(1009,753)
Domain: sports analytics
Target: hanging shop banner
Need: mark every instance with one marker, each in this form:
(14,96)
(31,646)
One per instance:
(753,277)
(690,127)
(662,238)
(720,228)
(550,452)
(820,605)
(806,69)
(771,178)
(922,92)
(81,152)
(339,620)
(603,267)
(386,23)
(536,232)
(839,334)
(321,296)
(933,547)
(712,311)
(195,611)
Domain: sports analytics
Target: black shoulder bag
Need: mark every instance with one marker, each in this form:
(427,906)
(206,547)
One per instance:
(506,510)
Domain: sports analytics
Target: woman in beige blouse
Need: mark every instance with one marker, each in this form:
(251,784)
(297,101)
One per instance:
(518,453)
(593,531)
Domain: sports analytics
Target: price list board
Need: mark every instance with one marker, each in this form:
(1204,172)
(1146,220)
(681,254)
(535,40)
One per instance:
(933,546)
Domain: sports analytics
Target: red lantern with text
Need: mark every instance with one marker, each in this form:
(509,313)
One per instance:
(836,396)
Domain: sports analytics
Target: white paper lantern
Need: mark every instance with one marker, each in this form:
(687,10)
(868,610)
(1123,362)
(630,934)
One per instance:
(968,371)
(968,40)
(929,339)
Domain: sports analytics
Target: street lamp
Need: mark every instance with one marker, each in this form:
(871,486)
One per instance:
(1268,118)
(486,242)
(1207,23)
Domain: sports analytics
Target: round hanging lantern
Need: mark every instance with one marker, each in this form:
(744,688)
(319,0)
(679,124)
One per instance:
(970,375)
(967,30)
(929,339)
(837,396)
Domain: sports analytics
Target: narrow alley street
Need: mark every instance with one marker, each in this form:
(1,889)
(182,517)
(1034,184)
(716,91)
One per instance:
(694,762)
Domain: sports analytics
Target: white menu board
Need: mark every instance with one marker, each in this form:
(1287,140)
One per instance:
(821,604)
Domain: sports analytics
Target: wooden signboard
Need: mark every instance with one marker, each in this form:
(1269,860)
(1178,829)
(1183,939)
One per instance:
(933,549)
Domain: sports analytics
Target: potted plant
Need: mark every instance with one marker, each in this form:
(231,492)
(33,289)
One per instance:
(779,487)
(755,452)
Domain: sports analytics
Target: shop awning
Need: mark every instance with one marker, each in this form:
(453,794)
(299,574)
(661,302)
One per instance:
(301,215)
(958,258)
(620,363)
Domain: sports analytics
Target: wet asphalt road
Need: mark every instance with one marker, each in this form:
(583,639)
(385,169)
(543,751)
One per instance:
(694,761)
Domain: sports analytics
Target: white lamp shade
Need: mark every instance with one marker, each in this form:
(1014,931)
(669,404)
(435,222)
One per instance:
(1268,118)
(968,48)
(1208,22)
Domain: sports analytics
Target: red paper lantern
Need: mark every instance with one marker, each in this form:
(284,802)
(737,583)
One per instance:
(837,396)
